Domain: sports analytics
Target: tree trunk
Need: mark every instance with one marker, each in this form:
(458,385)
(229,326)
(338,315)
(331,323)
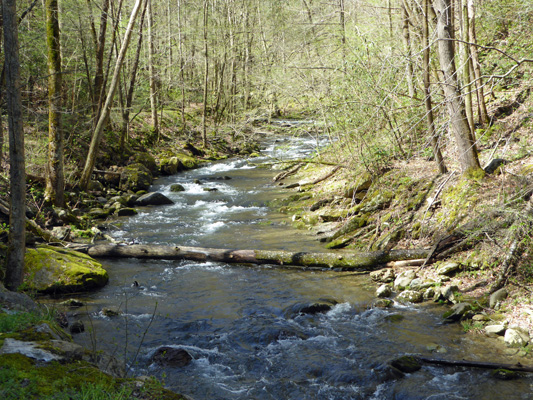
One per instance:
(346,261)
(206,74)
(131,86)
(17,214)
(483,114)
(153,83)
(55,180)
(97,134)
(465,145)
(99,74)
(427,94)
(466,63)
(407,44)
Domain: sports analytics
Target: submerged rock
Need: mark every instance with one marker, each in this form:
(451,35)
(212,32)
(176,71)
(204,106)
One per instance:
(153,199)
(167,356)
(309,308)
(406,364)
(54,270)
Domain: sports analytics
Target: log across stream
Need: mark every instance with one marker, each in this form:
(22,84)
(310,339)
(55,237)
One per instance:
(366,261)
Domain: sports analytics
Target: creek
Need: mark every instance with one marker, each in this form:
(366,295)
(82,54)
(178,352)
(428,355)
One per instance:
(233,319)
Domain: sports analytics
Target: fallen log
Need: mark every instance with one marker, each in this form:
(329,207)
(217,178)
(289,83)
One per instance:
(344,261)
(475,364)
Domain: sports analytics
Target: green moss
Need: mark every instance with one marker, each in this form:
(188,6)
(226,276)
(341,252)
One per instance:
(187,161)
(50,269)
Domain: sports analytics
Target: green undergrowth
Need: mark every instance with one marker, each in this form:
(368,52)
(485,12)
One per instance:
(24,378)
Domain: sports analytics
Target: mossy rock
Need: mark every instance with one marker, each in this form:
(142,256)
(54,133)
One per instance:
(187,161)
(53,270)
(135,177)
(145,159)
(361,183)
(170,166)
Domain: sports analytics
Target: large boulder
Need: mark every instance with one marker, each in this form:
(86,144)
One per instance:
(135,177)
(153,199)
(54,270)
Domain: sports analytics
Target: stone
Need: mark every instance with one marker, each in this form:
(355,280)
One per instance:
(176,187)
(210,190)
(403,280)
(448,268)
(167,356)
(385,275)
(153,199)
(505,374)
(98,213)
(72,303)
(145,159)
(56,270)
(170,166)
(126,212)
(497,297)
(457,312)
(382,303)
(429,293)
(95,186)
(480,318)
(309,308)
(61,232)
(446,293)
(62,350)
(410,296)
(407,364)
(16,301)
(135,177)
(384,291)
(361,183)
(495,165)
(77,327)
(516,337)
(110,312)
(495,330)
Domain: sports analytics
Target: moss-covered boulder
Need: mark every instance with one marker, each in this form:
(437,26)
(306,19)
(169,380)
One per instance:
(135,177)
(145,159)
(53,270)
(187,161)
(170,166)
(361,184)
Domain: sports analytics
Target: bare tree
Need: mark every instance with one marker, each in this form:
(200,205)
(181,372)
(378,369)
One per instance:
(17,213)
(427,93)
(464,142)
(153,83)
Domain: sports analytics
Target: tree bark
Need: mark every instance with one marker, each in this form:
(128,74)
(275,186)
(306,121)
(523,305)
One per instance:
(17,214)
(407,44)
(345,261)
(97,134)
(464,142)
(131,87)
(433,135)
(55,180)
(466,62)
(98,86)
(206,73)
(483,114)
(153,84)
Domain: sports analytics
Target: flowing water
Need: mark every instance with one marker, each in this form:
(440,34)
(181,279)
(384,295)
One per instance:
(234,319)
